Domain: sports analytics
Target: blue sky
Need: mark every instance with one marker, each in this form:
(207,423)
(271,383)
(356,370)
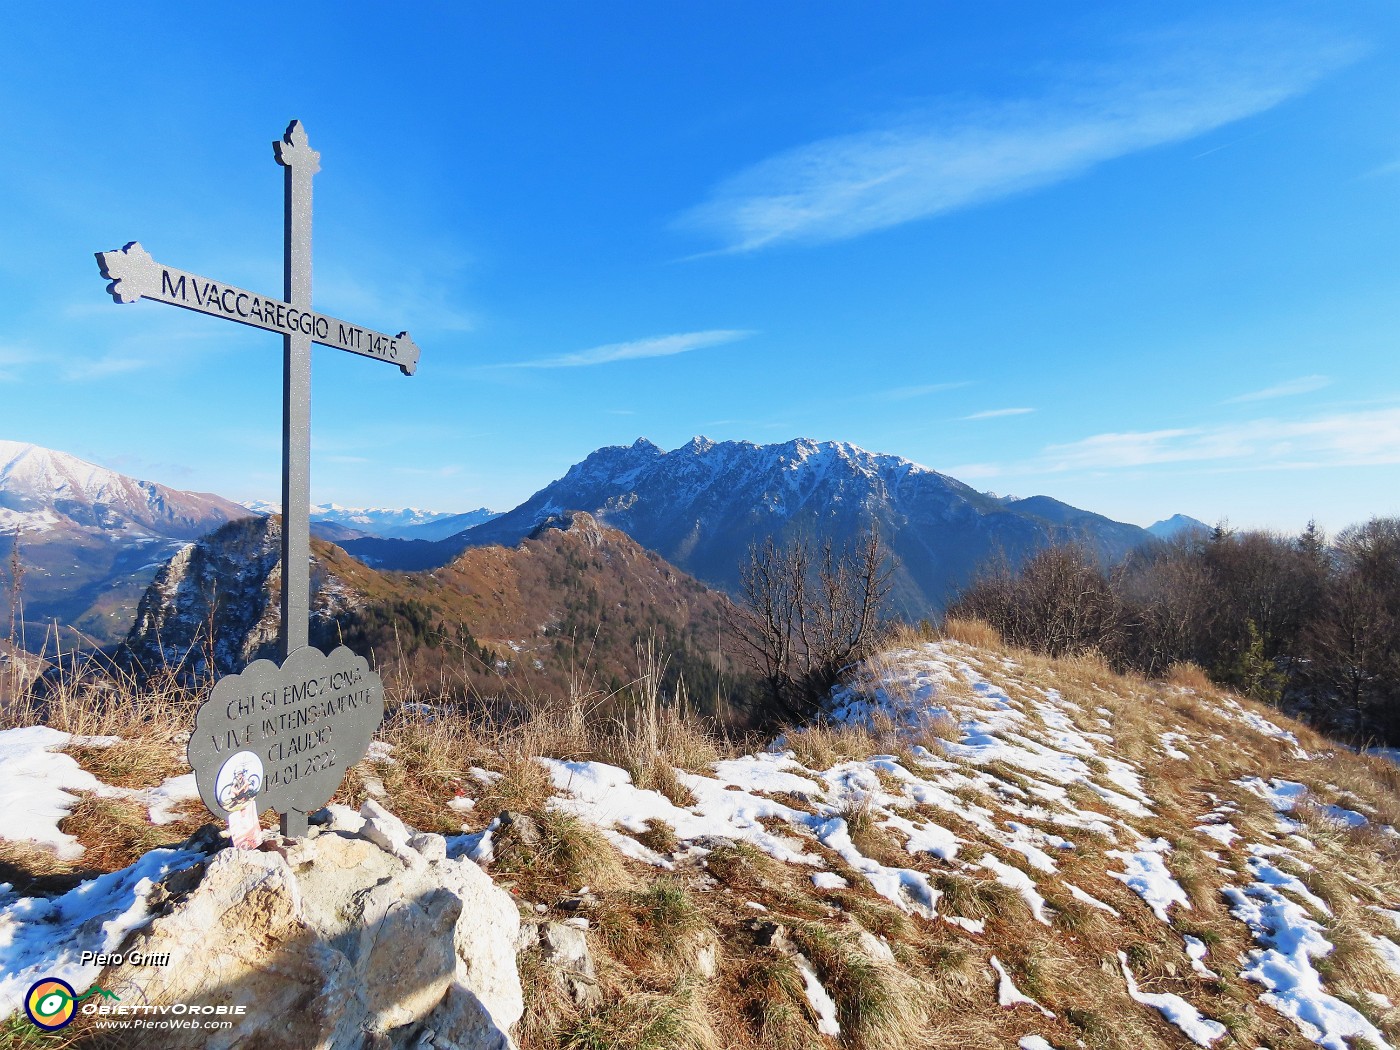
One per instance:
(1143,258)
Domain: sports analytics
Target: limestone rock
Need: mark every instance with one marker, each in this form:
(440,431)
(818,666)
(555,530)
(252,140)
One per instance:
(565,948)
(365,935)
(705,955)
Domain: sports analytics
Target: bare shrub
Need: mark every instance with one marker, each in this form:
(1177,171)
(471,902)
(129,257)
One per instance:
(806,612)
(1059,603)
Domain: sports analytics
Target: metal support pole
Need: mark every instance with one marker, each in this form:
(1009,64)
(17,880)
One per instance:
(301,162)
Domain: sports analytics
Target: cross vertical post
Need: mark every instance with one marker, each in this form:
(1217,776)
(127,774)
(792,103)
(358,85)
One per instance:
(300,162)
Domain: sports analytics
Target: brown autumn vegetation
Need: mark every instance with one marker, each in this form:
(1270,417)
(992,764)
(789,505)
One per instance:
(1299,621)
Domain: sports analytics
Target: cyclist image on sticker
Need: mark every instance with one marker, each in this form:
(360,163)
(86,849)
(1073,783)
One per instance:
(239,780)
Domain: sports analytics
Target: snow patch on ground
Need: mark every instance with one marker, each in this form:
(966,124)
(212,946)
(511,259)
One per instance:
(1289,941)
(823,1006)
(164,801)
(1146,874)
(39,786)
(1199,1029)
(1008,995)
(1093,902)
(41,937)
(1018,880)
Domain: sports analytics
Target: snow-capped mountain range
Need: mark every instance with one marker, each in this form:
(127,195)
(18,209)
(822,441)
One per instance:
(90,538)
(408,523)
(700,506)
(43,491)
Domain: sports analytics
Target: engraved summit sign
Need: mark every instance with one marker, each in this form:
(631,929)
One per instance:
(280,734)
(135,275)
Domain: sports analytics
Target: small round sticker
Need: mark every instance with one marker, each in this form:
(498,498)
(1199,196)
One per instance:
(239,780)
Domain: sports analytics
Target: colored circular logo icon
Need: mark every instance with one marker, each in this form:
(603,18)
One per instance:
(49,1004)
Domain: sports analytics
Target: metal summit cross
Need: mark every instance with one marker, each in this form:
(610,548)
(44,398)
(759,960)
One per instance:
(135,275)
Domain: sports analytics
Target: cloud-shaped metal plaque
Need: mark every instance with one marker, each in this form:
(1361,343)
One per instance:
(305,723)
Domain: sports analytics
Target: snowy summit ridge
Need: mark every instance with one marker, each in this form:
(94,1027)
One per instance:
(701,505)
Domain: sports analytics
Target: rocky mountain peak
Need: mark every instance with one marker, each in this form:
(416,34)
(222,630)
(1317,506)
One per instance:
(214,605)
(700,506)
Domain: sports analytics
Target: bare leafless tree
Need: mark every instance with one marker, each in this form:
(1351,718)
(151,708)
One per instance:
(806,611)
(1059,602)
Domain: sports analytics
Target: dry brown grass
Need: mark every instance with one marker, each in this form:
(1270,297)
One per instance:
(824,744)
(548,1009)
(116,832)
(1186,675)
(869,837)
(877,1005)
(644,1021)
(649,927)
(567,855)
(660,924)
(31,869)
(151,721)
(976,633)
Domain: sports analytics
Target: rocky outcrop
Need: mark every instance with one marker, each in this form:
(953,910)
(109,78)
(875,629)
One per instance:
(226,588)
(364,934)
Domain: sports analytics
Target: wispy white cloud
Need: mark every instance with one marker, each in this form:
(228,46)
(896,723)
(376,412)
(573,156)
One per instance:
(1303,385)
(905,393)
(997,413)
(417,303)
(656,346)
(86,369)
(1342,440)
(954,155)
(12,359)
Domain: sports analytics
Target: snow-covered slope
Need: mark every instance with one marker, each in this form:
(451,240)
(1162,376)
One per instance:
(976,848)
(1189,849)
(42,490)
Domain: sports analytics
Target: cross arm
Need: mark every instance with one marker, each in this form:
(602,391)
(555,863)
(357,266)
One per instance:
(135,275)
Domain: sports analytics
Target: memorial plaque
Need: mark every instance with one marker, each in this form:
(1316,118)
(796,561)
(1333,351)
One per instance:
(278,737)
(282,737)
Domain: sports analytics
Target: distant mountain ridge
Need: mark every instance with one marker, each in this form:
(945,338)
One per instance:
(42,490)
(1170,528)
(408,523)
(90,538)
(701,505)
